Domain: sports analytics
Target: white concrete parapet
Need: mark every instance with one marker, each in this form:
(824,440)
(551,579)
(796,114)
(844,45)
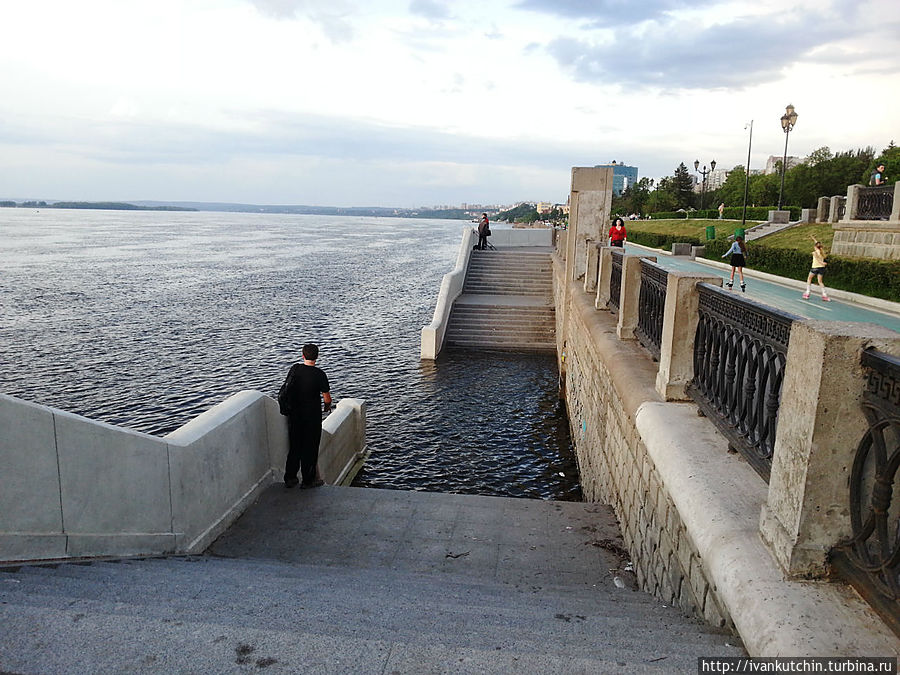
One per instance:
(75,487)
(451,287)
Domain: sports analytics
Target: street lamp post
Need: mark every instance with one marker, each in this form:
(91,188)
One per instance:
(747,177)
(788,120)
(705,172)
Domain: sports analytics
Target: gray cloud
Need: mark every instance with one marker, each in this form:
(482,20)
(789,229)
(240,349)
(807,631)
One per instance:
(743,52)
(600,13)
(430,9)
(332,16)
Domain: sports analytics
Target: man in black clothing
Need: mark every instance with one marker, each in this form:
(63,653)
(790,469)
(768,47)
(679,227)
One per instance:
(299,400)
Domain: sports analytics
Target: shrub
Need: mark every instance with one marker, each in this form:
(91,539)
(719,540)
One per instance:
(730,212)
(875,278)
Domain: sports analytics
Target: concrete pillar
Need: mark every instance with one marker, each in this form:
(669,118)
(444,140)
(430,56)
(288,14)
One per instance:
(808,215)
(895,210)
(680,318)
(822,209)
(780,217)
(852,202)
(631,293)
(593,266)
(834,208)
(589,205)
(604,273)
(820,425)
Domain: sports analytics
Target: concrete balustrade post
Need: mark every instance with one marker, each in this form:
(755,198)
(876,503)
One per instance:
(822,210)
(680,318)
(820,425)
(895,209)
(589,204)
(604,273)
(852,202)
(834,209)
(593,266)
(629,300)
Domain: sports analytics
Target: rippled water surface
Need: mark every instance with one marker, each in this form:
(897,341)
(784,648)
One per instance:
(146,319)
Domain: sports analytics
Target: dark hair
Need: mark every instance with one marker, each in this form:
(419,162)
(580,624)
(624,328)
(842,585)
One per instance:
(740,241)
(310,352)
(618,220)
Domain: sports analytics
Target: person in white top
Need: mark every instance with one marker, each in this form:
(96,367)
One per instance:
(817,270)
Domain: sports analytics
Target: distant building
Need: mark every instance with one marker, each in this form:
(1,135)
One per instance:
(624,176)
(774,162)
(714,180)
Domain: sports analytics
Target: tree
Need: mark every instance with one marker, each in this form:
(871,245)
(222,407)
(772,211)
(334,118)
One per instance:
(683,187)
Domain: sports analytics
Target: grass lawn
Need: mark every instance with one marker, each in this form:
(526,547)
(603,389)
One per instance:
(800,237)
(688,227)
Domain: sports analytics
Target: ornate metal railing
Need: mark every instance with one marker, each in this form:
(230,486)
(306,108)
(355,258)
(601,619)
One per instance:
(740,350)
(870,558)
(615,279)
(875,203)
(841,208)
(651,306)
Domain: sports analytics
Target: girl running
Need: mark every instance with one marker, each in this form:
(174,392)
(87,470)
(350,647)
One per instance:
(817,270)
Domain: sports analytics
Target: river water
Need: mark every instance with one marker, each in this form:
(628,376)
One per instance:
(146,319)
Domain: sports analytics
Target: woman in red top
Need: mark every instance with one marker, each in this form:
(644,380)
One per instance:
(617,233)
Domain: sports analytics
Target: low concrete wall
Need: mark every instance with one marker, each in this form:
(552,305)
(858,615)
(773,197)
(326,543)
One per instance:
(75,487)
(534,236)
(451,287)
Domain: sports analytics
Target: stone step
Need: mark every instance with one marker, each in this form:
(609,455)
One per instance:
(210,595)
(506,289)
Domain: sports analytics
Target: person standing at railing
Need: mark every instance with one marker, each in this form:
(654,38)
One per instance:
(299,399)
(819,262)
(738,253)
(878,177)
(617,234)
(484,231)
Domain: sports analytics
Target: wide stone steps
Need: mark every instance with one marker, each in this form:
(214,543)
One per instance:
(347,580)
(506,303)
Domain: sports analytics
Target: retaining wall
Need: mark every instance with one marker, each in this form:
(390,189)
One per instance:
(74,487)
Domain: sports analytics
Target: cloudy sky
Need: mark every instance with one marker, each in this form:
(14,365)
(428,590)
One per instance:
(422,102)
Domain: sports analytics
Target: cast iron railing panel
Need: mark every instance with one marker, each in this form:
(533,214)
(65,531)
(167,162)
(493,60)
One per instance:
(740,351)
(615,279)
(875,203)
(870,557)
(651,306)
(841,208)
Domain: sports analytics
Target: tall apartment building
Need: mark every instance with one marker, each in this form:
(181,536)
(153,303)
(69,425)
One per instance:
(623,176)
(773,163)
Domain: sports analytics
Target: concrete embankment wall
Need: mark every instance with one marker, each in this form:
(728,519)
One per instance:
(75,487)
(689,510)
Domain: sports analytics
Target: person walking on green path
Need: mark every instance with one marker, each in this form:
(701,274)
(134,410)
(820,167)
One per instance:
(738,253)
(817,270)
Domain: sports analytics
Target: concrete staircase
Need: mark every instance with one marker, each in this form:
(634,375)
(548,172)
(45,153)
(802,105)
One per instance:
(764,229)
(354,580)
(506,303)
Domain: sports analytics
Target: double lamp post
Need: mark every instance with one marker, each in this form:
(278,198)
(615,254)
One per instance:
(788,120)
(705,172)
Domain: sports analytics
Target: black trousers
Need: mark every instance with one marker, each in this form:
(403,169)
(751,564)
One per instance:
(305,432)
(482,242)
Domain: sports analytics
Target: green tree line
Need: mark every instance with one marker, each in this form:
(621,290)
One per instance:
(821,174)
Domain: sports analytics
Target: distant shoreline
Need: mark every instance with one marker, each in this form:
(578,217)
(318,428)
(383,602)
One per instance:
(368,211)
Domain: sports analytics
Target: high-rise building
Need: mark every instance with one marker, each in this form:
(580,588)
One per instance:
(773,164)
(624,176)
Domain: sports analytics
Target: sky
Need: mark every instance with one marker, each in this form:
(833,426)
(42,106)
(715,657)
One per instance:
(413,103)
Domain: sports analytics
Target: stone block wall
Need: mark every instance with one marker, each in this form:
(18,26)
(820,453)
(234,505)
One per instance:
(606,380)
(875,240)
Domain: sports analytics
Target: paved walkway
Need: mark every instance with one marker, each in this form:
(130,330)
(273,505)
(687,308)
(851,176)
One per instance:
(785,295)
